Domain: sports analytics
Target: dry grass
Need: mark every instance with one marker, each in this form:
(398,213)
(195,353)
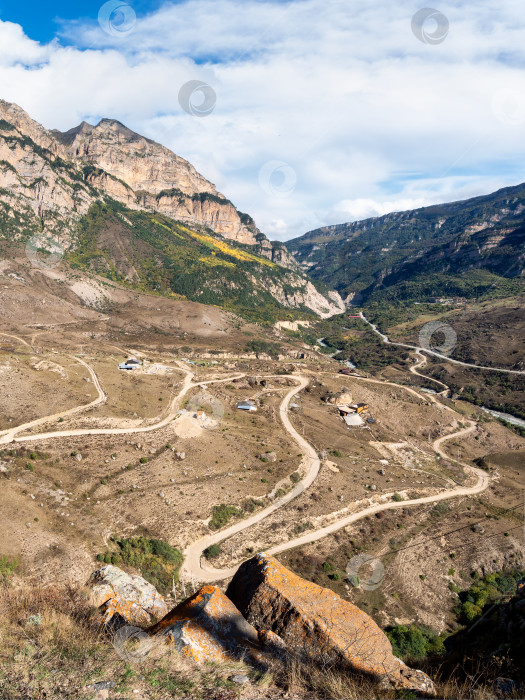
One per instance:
(63,651)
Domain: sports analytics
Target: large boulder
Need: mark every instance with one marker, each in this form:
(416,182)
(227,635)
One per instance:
(125,597)
(318,625)
(208,627)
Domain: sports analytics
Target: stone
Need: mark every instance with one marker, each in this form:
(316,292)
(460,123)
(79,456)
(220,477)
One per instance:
(240,679)
(180,456)
(317,625)
(125,597)
(208,627)
(505,688)
(35,620)
(78,457)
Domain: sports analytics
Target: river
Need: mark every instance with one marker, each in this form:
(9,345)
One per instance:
(506,417)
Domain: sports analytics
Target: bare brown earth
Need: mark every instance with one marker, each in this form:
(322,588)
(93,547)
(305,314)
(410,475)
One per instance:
(490,333)
(62,498)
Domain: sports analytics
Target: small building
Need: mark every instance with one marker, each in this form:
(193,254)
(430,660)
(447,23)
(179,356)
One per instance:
(345,410)
(247,406)
(359,407)
(130,364)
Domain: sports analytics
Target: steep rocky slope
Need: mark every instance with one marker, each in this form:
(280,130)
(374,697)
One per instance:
(460,249)
(53,186)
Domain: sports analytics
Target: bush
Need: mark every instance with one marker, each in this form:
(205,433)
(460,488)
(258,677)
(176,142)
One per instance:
(414,642)
(8,566)
(221,515)
(212,551)
(157,561)
(295,477)
(397,497)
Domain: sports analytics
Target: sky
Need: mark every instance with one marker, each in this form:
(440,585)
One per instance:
(304,113)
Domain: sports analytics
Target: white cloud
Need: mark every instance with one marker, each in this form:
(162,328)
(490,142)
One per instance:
(369,119)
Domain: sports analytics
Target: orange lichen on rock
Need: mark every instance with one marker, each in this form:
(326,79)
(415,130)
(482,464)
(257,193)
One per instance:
(125,596)
(317,624)
(208,627)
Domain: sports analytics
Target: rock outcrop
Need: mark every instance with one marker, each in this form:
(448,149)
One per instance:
(318,625)
(208,627)
(125,598)
(50,180)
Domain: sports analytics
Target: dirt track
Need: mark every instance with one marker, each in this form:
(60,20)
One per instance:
(419,350)
(193,566)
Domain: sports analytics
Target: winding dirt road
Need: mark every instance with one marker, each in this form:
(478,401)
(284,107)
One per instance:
(420,349)
(196,568)
(193,565)
(7,436)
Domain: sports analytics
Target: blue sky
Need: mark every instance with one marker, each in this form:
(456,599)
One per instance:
(322,112)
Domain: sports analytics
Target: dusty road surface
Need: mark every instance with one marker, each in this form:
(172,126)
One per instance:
(196,568)
(7,436)
(419,349)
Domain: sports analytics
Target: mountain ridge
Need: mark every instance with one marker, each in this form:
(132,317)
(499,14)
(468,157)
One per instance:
(444,243)
(55,184)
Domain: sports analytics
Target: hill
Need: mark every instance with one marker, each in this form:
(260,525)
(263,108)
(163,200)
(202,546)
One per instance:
(124,206)
(472,248)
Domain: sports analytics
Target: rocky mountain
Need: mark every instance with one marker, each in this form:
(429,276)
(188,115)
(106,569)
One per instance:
(56,185)
(465,248)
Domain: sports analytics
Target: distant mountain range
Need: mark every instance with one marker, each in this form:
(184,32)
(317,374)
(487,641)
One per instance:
(125,207)
(469,248)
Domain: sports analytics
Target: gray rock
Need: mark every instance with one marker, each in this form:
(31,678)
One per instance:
(240,678)
(505,687)
(34,620)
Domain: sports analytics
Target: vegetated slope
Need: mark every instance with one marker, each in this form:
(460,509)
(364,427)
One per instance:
(469,248)
(51,181)
(153,253)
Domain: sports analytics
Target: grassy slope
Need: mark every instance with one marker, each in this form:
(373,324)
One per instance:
(440,250)
(153,253)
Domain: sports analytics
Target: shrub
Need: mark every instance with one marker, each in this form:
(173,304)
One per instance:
(469,611)
(143,460)
(295,477)
(212,551)
(397,497)
(414,642)
(157,561)
(8,566)
(221,515)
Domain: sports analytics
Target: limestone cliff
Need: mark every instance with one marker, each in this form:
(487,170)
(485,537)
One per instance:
(50,181)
